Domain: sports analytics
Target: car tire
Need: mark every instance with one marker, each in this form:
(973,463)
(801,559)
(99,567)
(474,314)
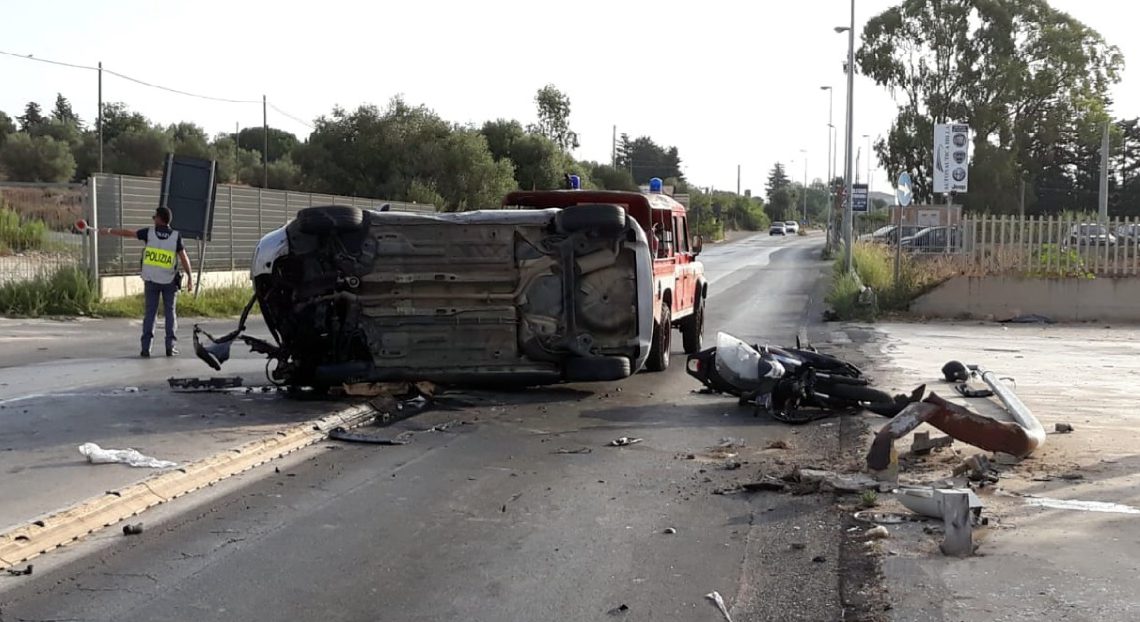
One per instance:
(597,369)
(693,328)
(605,219)
(329,218)
(662,340)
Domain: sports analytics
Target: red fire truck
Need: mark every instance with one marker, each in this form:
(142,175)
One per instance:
(679,285)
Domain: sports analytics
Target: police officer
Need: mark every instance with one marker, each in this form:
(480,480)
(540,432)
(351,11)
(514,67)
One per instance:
(160,275)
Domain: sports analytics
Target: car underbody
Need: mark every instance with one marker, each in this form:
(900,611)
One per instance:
(520,297)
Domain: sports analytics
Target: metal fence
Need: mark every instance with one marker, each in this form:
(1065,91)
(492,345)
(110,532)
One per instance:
(37,234)
(1066,245)
(242,215)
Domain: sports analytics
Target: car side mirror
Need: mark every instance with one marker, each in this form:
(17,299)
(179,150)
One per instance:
(698,244)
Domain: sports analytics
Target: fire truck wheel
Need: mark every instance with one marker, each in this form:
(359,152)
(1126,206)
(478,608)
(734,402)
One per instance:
(605,219)
(693,329)
(662,341)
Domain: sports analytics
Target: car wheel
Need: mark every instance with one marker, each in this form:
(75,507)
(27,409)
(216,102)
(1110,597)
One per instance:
(329,218)
(597,369)
(605,219)
(662,340)
(693,329)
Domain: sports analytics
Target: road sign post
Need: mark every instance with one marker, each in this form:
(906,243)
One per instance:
(904,192)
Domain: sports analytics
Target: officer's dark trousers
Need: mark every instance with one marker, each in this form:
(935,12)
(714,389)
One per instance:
(169,294)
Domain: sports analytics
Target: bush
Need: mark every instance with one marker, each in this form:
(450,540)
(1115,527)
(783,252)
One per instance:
(20,236)
(221,302)
(874,268)
(67,291)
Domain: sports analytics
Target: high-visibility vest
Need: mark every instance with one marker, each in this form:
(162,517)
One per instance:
(159,260)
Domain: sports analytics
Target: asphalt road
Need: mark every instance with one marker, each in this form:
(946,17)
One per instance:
(510,506)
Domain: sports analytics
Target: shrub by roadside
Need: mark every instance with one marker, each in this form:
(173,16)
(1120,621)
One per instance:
(68,292)
(19,236)
(874,268)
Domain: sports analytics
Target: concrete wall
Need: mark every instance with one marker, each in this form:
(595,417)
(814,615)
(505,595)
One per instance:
(1063,300)
(113,287)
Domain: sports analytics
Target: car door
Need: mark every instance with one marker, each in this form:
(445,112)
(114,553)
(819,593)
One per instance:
(683,296)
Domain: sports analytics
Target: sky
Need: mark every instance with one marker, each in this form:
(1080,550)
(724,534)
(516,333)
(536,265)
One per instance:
(728,82)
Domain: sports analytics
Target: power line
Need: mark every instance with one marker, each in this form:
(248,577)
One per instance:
(178,92)
(286,114)
(44,60)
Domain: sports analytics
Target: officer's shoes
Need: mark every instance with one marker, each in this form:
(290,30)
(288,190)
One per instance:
(172,351)
(145,354)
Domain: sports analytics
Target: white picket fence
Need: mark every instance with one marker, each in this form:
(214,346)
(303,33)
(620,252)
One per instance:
(1066,245)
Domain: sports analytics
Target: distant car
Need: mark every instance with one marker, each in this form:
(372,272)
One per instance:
(778,229)
(890,234)
(1086,234)
(792,227)
(1128,234)
(933,240)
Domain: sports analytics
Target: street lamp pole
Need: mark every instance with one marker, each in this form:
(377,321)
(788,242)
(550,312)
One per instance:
(804,151)
(848,216)
(868,137)
(830,169)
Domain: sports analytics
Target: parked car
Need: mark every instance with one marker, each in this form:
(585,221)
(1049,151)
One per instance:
(1129,234)
(1087,234)
(889,234)
(933,240)
(791,227)
(523,297)
(778,228)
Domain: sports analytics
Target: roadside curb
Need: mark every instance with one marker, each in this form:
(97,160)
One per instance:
(57,529)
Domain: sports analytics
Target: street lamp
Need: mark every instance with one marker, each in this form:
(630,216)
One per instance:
(868,137)
(848,217)
(805,191)
(830,160)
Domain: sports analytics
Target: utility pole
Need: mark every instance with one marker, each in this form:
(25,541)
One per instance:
(1021,200)
(848,216)
(264,144)
(1103,197)
(613,149)
(805,189)
(737,179)
(99,117)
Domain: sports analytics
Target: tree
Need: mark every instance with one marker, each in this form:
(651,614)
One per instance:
(190,140)
(501,134)
(7,127)
(610,178)
(401,152)
(647,160)
(281,143)
(139,151)
(118,120)
(36,158)
(621,153)
(539,164)
(777,179)
(63,112)
(554,117)
(1009,69)
(32,117)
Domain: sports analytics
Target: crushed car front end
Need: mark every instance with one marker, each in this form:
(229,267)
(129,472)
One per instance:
(522,297)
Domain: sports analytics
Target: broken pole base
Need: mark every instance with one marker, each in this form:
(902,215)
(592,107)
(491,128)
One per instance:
(959,539)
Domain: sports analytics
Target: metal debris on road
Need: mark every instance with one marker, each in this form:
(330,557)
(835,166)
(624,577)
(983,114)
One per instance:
(132,530)
(1018,438)
(923,444)
(341,434)
(624,441)
(965,390)
(719,602)
(1063,428)
(580,450)
(97,455)
(977,468)
(214,383)
(20,572)
(928,501)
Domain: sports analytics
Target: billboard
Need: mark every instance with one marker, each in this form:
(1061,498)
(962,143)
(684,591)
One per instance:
(951,157)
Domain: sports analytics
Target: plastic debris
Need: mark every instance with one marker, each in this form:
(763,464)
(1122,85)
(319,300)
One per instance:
(97,455)
(877,532)
(624,441)
(719,602)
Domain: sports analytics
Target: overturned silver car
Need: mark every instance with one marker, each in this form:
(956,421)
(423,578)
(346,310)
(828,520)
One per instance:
(520,297)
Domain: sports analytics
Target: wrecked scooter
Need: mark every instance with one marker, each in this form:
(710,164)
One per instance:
(794,385)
